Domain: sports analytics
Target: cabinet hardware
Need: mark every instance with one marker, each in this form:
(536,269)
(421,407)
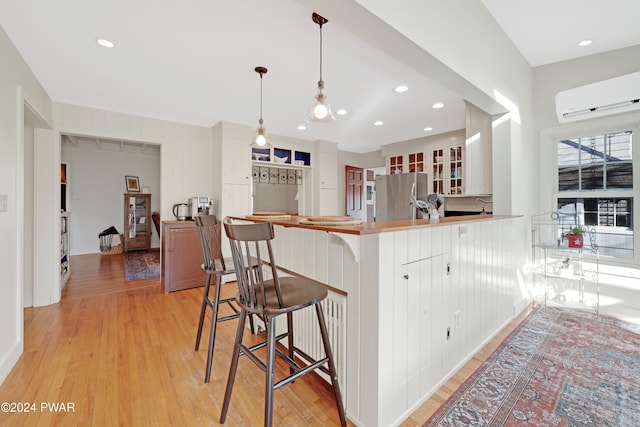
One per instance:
(406,276)
(448,269)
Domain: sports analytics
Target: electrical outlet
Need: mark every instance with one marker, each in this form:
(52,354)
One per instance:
(456,320)
(462,231)
(3,202)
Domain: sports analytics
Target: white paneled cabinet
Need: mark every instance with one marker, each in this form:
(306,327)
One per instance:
(327,184)
(478,151)
(236,166)
(419,303)
(236,177)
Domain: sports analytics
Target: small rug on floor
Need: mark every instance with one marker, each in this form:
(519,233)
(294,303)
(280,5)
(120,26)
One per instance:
(559,367)
(142,264)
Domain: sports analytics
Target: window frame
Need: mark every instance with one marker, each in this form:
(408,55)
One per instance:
(549,192)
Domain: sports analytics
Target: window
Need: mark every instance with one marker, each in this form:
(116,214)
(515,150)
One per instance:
(601,162)
(600,166)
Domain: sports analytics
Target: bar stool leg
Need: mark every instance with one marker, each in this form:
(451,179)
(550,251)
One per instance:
(290,339)
(332,366)
(271,356)
(214,322)
(203,310)
(233,367)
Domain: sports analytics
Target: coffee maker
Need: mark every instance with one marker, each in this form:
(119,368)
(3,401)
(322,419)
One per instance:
(200,205)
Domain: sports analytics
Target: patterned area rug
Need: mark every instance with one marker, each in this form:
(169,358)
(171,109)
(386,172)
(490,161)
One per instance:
(142,264)
(558,368)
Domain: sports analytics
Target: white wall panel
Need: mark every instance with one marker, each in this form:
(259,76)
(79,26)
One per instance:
(321,259)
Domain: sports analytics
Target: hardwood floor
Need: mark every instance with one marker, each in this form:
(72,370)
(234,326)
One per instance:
(121,353)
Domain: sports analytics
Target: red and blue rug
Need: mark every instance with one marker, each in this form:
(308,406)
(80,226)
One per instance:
(559,367)
(140,265)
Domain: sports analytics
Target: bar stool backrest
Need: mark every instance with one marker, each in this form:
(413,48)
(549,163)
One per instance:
(251,253)
(210,243)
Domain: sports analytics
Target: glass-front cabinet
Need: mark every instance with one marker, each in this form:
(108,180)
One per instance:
(137,221)
(447,165)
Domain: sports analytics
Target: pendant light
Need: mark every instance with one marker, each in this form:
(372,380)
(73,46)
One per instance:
(261,140)
(321,110)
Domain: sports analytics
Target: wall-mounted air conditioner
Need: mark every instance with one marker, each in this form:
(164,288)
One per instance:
(617,95)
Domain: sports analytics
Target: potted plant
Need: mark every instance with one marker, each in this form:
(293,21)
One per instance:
(574,237)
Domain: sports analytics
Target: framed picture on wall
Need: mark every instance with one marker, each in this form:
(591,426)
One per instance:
(133,184)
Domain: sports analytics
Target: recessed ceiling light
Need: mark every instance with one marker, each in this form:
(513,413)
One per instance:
(428,129)
(302,127)
(584,43)
(438,105)
(401,89)
(341,112)
(105,43)
(378,123)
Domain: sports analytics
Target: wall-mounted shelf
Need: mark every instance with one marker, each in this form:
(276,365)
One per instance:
(280,157)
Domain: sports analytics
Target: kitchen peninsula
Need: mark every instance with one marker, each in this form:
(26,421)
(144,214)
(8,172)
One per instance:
(409,303)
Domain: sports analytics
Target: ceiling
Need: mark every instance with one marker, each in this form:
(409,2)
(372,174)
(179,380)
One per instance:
(193,61)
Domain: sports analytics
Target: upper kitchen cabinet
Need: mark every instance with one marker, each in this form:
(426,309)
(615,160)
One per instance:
(396,164)
(415,162)
(447,170)
(326,202)
(236,166)
(478,151)
(231,162)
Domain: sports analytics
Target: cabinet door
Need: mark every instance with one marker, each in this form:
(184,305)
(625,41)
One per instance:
(137,220)
(419,331)
(478,152)
(183,260)
(447,168)
(328,201)
(328,165)
(236,164)
(454,170)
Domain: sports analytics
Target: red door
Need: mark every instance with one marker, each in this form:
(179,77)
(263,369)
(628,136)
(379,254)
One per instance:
(354,191)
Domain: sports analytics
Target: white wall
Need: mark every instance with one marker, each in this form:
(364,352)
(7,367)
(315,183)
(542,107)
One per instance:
(28,251)
(553,78)
(366,161)
(186,155)
(621,280)
(95,176)
(17,86)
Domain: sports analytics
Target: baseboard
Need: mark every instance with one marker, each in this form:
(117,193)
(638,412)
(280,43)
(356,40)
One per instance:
(520,306)
(10,359)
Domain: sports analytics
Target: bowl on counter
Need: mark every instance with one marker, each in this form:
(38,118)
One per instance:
(280,159)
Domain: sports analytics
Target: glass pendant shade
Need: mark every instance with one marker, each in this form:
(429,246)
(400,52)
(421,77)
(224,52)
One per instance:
(321,110)
(261,137)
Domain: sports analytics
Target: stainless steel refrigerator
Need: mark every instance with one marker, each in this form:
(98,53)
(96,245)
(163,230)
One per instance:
(393,195)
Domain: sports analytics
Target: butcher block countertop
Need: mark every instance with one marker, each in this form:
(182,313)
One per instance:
(377,227)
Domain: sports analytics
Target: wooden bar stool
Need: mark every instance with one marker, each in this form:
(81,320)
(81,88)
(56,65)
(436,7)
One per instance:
(214,265)
(251,251)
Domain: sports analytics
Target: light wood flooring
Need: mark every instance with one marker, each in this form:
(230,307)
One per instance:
(122,353)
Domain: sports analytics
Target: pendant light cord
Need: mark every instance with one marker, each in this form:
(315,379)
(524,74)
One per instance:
(321,83)
(260,98)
